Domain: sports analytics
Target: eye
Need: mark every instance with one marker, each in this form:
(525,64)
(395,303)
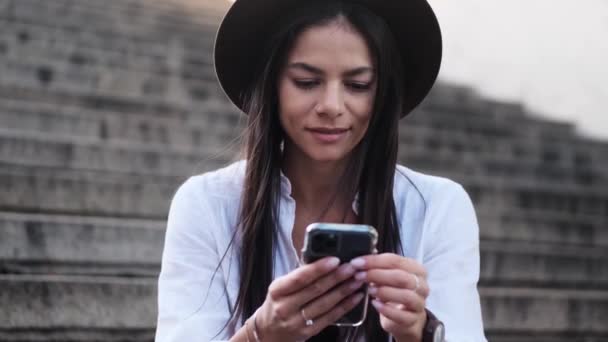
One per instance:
(305,84)
(359,86)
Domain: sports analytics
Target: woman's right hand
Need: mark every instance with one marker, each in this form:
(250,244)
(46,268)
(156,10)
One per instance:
(307,291)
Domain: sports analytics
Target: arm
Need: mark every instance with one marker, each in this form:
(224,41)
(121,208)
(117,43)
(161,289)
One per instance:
(192,303)
(451,257)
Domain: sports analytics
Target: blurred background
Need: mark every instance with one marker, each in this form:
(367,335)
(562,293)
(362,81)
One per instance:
(107,106)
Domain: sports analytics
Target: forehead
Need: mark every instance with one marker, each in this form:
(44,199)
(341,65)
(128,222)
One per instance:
(335,45)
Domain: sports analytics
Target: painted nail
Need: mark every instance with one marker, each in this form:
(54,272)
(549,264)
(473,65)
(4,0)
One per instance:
(360,275)
(332,262)
(372,290)
(356,284)
(357,298)
(347,270)
(377,304)
(358,262)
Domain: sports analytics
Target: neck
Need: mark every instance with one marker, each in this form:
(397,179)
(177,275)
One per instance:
(314,184)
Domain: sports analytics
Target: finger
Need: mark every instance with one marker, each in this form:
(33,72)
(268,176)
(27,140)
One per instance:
(388,261)
(321,286)
(395,278)
(336,313)
(326,302)
(302,277)
(401,317)
(411,301)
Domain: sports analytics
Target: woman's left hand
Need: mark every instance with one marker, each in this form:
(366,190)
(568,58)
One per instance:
(399,288)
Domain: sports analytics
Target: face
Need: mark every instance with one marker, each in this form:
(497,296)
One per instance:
(326,92)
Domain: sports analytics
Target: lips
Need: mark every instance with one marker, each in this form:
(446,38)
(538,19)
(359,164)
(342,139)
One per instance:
(328,135)
(327,130)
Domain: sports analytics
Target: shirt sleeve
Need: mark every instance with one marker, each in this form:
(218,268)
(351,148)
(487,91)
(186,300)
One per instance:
(192,300)
(451,258)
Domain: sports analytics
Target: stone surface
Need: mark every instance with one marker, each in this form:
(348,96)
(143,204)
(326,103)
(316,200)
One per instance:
(53,244)
(40,189)
(544,310)
(48,301)
(211,126)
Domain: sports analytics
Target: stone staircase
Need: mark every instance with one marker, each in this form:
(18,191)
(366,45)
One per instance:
(541,193)
(106,107)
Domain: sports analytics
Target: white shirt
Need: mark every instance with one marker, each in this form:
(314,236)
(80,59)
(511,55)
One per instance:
(438,228)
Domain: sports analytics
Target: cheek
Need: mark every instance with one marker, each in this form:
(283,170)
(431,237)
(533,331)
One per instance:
(362,111)
(293,103)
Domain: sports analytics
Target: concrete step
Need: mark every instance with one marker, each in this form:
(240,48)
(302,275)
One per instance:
(76,302)
(143,10)
(47,302)
(503,169)
(540,311)
(525,136)
(32,243)
(500,157)
(559,202)
(580,336)
(131,21)
(77,335)
(87,193)
(214,125)
(108,43)
(90,154)
(556,227)
(520,263)
(56,244)
(66,55)
(445,106)
(120,84)
(28,99)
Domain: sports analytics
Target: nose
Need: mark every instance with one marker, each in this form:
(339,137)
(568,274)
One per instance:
(331,102)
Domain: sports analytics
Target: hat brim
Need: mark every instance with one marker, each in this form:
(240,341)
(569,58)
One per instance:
(245,27)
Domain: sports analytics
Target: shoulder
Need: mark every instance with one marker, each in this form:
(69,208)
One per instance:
(431,209)
(222,184)
(422,191)
(211,197)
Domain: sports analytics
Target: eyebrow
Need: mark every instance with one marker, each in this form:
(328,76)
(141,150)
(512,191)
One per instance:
(315,70)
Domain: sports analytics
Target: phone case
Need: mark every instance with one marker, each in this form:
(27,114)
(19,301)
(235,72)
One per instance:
(345,241)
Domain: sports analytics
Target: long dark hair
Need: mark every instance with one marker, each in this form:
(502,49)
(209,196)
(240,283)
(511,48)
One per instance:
(371,168)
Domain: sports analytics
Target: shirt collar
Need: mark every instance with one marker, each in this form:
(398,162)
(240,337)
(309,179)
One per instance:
(286,191)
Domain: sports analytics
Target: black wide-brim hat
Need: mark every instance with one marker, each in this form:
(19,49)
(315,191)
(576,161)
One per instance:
(248,24)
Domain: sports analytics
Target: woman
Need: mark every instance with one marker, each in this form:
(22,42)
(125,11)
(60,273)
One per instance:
(324,84)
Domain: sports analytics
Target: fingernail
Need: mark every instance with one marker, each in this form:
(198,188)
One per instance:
(347,270)
(332,262)
(358,262)
(356,284)
(357,298)
(377,304)
(360,275)
(372,290)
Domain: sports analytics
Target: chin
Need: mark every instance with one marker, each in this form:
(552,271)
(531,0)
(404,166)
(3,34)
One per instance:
(328,156)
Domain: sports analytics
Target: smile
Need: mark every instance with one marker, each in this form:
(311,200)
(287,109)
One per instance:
(328,135)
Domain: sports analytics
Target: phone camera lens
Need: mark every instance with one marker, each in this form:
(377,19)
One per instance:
(325,244)
(331,242)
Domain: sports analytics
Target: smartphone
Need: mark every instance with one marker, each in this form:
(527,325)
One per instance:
(345,241)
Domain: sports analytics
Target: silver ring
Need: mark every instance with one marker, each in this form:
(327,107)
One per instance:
(417,282)
(307,320)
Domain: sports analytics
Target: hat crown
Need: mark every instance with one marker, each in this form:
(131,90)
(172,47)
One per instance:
(247,26)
